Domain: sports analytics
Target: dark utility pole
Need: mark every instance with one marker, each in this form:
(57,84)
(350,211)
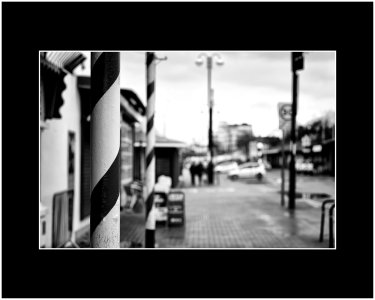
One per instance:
(210,171)
(297,64)
(210,144)
(219,62)
(283,168)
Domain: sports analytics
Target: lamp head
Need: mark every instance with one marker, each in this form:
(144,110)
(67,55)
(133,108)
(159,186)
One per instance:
(199,61)
(220,62)
(218,59)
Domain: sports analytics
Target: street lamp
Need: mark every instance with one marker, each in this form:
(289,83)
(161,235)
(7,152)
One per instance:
(219,61)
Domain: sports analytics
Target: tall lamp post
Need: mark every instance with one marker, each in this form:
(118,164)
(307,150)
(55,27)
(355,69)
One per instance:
(219,61)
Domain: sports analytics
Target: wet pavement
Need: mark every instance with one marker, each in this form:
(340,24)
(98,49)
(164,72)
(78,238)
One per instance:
(244,214)
(238,214)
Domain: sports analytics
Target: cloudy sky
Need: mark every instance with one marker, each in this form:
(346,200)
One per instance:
(247,89)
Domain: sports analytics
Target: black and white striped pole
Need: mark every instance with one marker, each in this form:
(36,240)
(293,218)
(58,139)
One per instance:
(150,151)
(105,150)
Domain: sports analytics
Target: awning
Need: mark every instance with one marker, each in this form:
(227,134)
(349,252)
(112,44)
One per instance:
(134,101)
(66,61)
(160,141)
(132,108)
(53,68)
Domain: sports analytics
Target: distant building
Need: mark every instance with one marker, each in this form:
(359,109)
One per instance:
(316,143)
(228,135)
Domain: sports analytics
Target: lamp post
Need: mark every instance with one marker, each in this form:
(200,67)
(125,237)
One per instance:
(219,61)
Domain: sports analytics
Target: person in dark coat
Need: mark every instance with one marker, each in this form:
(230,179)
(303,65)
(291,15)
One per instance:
(192,172)
(200,172)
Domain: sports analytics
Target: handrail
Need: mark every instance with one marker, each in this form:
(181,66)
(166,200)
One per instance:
(325,202)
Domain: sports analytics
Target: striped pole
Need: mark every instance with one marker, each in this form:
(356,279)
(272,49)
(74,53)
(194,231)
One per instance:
(150,152)
(105,150)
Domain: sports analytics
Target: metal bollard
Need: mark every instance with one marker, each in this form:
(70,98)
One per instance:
(331,239)
(328,201)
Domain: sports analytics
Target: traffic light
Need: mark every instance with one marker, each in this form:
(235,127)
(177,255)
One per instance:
(297,61)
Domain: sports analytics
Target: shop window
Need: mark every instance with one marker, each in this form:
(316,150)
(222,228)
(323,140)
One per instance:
(127,153)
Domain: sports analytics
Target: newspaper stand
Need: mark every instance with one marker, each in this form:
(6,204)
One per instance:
(176,208)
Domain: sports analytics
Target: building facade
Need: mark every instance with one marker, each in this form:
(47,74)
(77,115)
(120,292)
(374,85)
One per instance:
(316,144)
(65,167)
(228,135)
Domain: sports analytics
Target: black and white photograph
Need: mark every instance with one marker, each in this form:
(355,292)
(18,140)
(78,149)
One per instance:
(215,149)
(187,149)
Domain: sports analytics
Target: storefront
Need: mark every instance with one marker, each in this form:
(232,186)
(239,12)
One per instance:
(60,148)
(65,159)
(167,158)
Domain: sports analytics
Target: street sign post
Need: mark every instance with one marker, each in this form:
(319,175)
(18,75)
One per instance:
(297,61)
(285,115)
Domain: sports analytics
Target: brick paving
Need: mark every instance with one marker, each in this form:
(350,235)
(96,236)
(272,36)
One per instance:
(241,214)
(244,214)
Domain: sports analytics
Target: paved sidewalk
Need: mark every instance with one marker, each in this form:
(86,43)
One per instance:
(241,214)
(305,184)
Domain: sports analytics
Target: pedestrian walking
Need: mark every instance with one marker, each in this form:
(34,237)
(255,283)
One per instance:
(199,172)
(192,169)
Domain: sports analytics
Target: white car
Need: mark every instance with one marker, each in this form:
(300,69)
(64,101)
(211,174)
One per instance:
(304,166)
(248,170)
(225,167)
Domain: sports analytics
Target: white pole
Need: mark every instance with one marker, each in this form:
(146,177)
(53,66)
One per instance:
(105,150)
(150,152)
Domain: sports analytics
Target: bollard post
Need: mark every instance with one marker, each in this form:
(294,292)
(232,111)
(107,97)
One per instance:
(322,220)
(150,152)
(105,150)
(331,239)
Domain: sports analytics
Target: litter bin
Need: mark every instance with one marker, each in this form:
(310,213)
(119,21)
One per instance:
(176,208)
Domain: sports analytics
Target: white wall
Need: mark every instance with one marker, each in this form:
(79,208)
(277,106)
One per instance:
(54,155)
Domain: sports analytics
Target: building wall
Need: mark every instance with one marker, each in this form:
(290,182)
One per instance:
(166,163)
(54,156)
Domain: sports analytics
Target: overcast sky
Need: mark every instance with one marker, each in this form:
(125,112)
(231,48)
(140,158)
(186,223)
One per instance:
(247,89)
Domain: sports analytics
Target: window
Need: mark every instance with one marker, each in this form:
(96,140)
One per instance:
(126,153)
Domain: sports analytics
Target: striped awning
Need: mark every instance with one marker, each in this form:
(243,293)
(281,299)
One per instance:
(64,60)
(54,67)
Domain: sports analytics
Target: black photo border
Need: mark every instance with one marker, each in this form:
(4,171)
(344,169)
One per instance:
(345,27)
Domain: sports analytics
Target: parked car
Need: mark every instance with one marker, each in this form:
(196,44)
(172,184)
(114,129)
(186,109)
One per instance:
(226,166)
(304,166)
(248,170)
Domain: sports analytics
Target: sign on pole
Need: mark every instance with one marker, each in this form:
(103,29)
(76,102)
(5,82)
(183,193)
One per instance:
(285,115)
(297,61)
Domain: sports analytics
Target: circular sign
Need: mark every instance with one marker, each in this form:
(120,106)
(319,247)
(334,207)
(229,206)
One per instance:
(285,112)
